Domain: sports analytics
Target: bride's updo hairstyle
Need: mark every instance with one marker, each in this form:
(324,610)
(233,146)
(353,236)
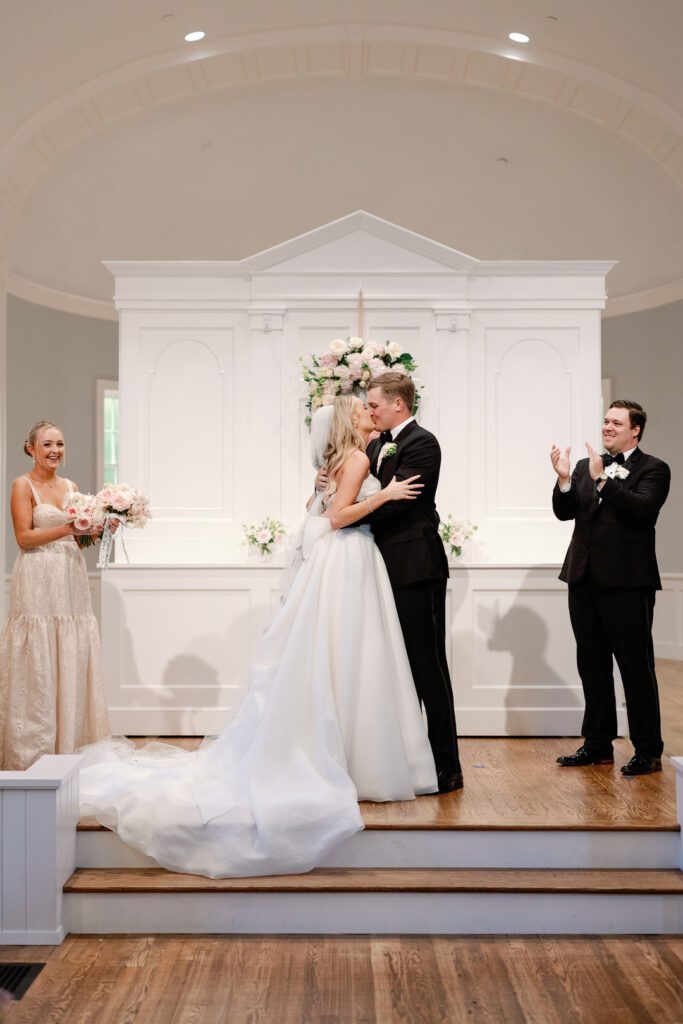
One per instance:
(35,432)
(344,437)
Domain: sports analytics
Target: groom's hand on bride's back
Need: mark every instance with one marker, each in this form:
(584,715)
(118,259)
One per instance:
(321,480)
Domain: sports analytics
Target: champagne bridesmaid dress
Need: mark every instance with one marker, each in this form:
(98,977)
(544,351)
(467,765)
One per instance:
(51,694)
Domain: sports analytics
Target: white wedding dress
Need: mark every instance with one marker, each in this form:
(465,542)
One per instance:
(331,717)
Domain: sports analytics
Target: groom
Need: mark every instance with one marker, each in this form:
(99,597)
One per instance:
(407,535)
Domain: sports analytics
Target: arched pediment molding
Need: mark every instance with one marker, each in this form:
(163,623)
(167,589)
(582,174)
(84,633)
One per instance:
(341,51)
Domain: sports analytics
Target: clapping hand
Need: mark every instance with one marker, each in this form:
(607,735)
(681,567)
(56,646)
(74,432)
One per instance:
(561,463)
(596,466)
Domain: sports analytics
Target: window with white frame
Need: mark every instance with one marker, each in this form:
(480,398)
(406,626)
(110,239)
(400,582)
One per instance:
(107,432)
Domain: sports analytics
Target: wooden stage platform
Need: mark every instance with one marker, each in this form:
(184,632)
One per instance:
(513,784)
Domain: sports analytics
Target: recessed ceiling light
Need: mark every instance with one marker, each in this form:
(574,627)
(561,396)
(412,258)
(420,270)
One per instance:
(194,37)
(516,37)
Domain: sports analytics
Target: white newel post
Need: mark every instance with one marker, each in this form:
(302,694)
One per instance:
(677,762)
(38,815)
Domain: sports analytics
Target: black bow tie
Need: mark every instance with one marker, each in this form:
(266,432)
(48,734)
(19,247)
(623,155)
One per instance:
(608,459)
(385,437)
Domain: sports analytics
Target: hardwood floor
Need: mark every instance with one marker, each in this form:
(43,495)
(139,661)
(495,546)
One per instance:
(402,980)
(355,980)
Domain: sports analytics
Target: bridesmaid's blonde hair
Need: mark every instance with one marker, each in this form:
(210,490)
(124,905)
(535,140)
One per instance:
(344,436)
(35,432)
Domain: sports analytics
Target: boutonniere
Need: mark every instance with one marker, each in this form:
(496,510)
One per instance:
(615,471)
(386,452)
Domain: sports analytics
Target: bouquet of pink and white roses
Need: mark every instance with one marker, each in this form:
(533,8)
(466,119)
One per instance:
(120,503)
(348,366)
(87,515)
(93,514)
(125,503)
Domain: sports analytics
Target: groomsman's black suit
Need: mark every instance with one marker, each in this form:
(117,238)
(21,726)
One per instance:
(406,533)
(611,569)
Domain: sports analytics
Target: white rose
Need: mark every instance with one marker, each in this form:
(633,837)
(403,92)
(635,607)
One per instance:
(368,353)
(394,350)
(263,536)
(377,366)
(355,360)
(338,347)
(355,344)
(329,372)
(378,346)
(342,372)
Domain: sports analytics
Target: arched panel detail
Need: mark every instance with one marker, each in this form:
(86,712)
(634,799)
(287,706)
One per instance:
(187,437)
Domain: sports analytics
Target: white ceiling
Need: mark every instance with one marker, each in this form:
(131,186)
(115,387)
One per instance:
(120,141)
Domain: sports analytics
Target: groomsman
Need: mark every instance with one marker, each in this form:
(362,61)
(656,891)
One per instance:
(611,568)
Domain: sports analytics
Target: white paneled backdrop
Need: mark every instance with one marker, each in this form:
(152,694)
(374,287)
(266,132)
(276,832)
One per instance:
(212,427)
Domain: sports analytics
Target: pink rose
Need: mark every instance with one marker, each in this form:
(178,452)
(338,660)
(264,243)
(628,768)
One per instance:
(328,360)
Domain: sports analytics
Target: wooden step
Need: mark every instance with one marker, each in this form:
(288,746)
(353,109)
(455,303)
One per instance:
(369,880)
(445,823)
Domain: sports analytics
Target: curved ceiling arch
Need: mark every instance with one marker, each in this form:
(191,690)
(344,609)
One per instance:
(347,51)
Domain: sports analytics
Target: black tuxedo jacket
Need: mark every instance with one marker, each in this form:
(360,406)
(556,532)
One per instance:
(615,536)
(407,532)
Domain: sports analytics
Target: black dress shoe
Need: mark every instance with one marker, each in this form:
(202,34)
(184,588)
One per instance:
(584,757)
(449,781)
(640,764)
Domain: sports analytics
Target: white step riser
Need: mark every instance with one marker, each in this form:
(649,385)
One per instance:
(427,849)
(372,913)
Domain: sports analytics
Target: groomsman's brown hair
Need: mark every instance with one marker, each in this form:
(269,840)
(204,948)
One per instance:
(395,385)
(637,416)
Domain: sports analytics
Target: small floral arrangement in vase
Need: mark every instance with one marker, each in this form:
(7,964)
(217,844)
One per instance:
(263,537)
(348,366)
(454,533)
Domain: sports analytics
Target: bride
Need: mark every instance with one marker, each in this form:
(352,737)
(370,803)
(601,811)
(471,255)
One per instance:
(331,716)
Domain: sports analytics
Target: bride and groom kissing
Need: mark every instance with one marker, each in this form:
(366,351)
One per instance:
(333,711)
(407,536)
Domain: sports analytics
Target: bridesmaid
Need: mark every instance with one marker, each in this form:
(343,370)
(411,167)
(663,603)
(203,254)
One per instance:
(51,695)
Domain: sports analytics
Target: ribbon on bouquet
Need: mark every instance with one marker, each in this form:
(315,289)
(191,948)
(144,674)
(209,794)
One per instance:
(108,538)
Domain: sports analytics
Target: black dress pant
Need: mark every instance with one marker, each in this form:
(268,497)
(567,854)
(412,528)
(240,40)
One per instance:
(422,613)
(615,621)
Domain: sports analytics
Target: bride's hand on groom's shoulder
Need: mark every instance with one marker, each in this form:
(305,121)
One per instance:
(402,490)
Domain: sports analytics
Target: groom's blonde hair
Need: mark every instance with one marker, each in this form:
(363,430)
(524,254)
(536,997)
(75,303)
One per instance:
(344,437)
(395,385)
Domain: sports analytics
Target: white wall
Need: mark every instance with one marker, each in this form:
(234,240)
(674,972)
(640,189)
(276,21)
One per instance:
(53,361)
